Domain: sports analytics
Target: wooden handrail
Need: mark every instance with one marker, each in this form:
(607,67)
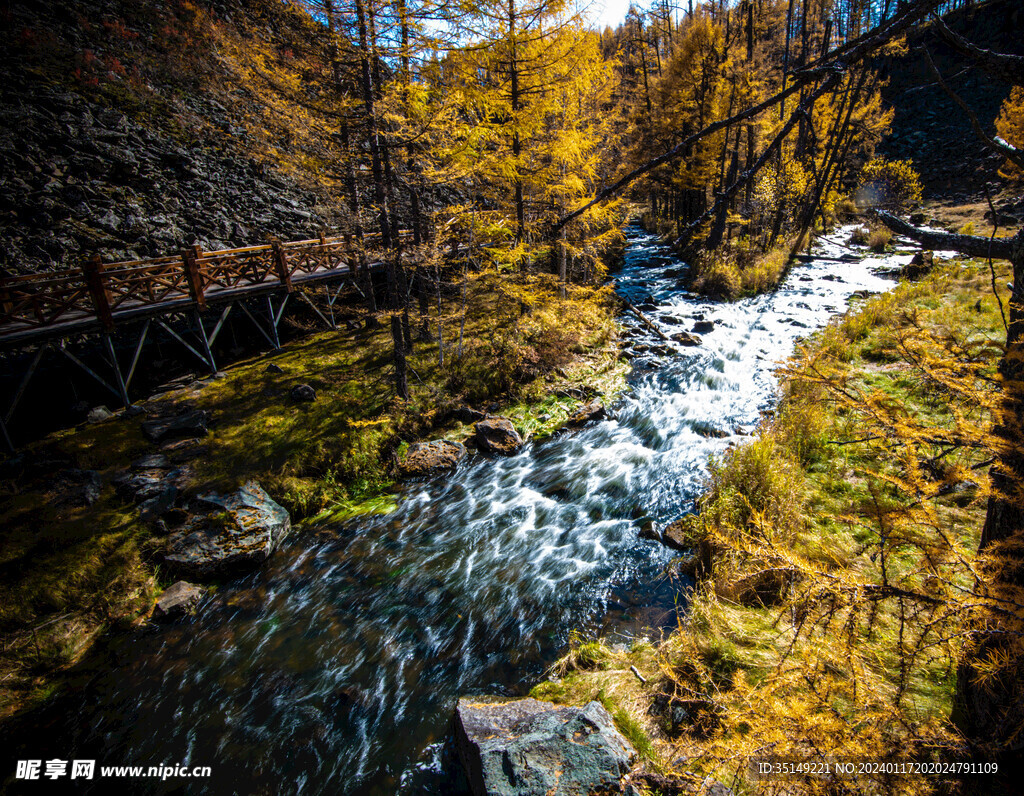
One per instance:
(98,288)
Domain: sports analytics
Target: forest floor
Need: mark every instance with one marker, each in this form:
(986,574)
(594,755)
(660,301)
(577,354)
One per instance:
(70,572)
(871,475)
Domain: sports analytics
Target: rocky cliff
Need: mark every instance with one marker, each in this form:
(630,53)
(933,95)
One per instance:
(928,127)
(132,130)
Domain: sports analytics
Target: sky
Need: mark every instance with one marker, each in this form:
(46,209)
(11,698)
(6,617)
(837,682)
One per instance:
(607,12)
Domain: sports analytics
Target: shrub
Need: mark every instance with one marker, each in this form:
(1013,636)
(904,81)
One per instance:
(765,273)
(879,239)
(890,184)
(1010,126)
(716,274)
(755,481)
(859,237)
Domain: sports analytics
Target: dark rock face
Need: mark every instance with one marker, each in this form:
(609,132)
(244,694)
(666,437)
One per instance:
(272,368)
(466,414)
(592,411)
(77,487)
(497,435)
(189,424)
(303,394)
(177,601)
(701,327)
(85,179)
(144,483)
(424,458)
(228,534)
(526,747)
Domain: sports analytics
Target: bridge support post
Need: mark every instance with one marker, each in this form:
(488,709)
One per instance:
(122,386)
(8,444)
(273,323)
(206,343)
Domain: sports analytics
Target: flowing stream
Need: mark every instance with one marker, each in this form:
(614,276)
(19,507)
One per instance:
(335,669)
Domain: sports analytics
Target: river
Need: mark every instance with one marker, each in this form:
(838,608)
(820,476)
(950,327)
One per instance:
(335,669)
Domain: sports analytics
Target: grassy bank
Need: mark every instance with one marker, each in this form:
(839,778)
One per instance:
(835,558)
(70,572)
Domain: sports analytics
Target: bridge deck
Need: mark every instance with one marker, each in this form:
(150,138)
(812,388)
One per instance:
(99,295)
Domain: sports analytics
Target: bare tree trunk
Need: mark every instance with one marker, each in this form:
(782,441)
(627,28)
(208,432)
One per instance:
(384,217)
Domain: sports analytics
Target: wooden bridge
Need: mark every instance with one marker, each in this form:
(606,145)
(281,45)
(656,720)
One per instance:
(43,311)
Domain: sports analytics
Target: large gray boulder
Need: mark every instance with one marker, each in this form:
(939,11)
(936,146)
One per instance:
(497,435)
(526,747)
(231,533)
(425,458)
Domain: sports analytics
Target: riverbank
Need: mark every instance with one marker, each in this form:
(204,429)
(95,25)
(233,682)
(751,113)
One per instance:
(833,554)
(77,560)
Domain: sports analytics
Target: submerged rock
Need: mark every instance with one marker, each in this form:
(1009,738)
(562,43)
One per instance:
(237,531)
(424,458)
(525,747)
(195,423)
(177,601)
(497,435)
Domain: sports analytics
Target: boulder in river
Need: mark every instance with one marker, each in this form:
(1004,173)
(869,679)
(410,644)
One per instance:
(497,435)
(592,411)
(424,458)
(231,533)
(177,601)
(195,423)
(686,338)
(525,746)
(701,327)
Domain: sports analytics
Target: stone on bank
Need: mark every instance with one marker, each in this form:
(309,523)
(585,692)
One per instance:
(425,458)
(228,534)
(527,747)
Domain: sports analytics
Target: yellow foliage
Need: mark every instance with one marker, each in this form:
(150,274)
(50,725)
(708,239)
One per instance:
(1010,126)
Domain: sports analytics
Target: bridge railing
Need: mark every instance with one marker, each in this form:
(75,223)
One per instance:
(101,290)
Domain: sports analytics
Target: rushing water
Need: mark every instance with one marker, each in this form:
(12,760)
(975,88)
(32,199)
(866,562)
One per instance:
(335,668)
